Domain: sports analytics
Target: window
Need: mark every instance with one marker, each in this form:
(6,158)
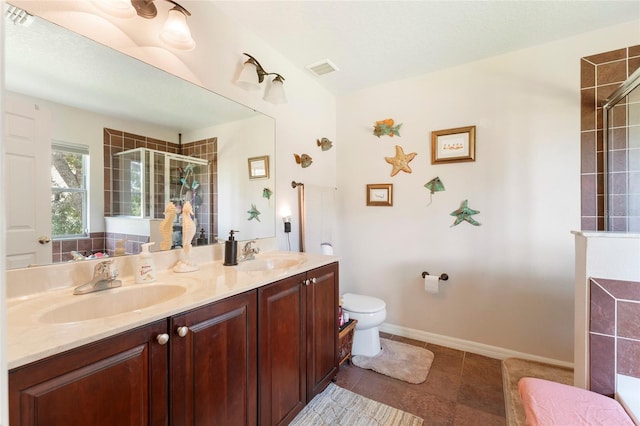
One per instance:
(69,194)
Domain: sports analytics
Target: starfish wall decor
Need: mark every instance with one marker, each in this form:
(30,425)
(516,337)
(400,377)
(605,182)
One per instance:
(254,213)
(401,161)
(465,213)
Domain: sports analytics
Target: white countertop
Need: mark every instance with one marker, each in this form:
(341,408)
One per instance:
(30,339)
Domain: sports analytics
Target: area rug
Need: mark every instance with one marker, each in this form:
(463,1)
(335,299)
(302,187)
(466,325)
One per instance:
(338,406)
(398,360)
(513,369)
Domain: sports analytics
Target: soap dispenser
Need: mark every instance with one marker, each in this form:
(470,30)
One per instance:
(231,250)
(145,267)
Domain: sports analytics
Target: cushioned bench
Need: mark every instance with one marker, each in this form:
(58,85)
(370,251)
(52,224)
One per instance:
(550,403)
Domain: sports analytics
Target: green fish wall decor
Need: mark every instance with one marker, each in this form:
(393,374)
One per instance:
(324,143)
(266,193)
(386,127)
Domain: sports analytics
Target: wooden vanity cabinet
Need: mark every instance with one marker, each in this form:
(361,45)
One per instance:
(213,375)
(120,380)
(297,342)
(254,358)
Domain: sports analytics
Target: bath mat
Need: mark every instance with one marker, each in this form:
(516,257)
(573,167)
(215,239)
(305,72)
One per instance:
(398,360)
(338,406)
(513,369)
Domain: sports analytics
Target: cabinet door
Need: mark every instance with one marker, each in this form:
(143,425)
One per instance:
(281,343)
(322,328)
(214,365)
(121,380)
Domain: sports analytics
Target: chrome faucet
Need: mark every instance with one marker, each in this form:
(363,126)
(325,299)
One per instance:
(104,277)
(248,251)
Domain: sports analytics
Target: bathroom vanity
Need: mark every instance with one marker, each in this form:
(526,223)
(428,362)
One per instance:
(245,345)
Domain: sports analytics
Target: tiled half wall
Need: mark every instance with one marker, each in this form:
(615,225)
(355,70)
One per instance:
(614,332)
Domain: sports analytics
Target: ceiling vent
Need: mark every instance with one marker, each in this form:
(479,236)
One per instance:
(323,67)
(17,16)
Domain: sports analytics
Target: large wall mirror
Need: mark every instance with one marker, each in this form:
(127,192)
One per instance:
(147,137)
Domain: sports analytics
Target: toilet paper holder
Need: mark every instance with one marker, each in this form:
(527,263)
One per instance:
(443,277)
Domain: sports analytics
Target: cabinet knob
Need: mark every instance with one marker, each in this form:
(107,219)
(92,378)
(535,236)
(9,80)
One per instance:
(313,280)
(162,338)
(182,331)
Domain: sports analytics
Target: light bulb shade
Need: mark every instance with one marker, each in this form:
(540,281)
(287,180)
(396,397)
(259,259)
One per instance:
(248,78)
(118,8)
(275,93)
(175,32)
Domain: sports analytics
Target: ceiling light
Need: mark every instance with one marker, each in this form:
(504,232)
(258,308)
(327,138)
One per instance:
(252,74)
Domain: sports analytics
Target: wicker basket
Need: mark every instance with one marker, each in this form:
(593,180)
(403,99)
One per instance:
(345,341)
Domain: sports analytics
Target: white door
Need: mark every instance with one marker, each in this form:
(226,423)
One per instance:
(27,144)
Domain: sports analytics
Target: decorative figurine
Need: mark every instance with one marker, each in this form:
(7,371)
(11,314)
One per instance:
(386,127)
(324,143)
(304,160)
(465,213)
(185,264)
(166,226)
(400,161)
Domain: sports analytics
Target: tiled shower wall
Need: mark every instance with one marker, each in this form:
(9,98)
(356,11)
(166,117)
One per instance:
(614,333)
(117,141)
(600,75)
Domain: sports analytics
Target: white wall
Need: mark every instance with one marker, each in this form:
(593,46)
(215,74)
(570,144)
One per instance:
(511,279)
(4,411)
(81,127)
(237,142)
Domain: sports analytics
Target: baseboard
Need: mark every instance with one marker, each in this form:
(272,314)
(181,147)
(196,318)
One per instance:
(467,345)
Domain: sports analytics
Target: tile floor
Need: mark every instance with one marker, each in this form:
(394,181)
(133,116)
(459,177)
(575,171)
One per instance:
(462,388)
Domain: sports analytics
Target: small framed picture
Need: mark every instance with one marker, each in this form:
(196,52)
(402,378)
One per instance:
(453,145)
(259,167)
(380,194)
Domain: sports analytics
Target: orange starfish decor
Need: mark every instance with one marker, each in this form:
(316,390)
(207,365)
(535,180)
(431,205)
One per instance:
(401,161)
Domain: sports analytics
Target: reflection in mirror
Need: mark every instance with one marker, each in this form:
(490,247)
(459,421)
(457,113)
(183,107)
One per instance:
(152,138)
(259,167)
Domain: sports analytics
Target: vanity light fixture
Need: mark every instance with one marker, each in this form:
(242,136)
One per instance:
(252,74)
(175,32)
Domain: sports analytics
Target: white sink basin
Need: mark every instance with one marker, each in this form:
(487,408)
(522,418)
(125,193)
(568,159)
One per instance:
(267,264)
(112,302)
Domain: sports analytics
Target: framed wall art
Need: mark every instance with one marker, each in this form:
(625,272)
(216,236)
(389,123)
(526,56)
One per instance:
(453,145)
(380,194)
(259,167)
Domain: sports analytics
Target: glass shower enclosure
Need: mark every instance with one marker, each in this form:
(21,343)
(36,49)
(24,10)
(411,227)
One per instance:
(145,180)
(621,149)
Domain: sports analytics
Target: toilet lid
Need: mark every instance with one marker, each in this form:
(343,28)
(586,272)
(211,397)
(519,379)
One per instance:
(362,304)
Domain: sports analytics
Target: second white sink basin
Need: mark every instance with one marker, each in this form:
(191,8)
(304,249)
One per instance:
(112,302)
(267,264)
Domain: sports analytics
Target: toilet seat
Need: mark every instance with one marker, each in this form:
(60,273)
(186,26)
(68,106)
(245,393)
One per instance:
(362,304)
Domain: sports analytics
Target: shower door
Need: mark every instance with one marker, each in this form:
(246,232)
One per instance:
(621,147)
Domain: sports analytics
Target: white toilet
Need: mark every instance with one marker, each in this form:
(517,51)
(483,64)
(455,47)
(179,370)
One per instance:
(370,313)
